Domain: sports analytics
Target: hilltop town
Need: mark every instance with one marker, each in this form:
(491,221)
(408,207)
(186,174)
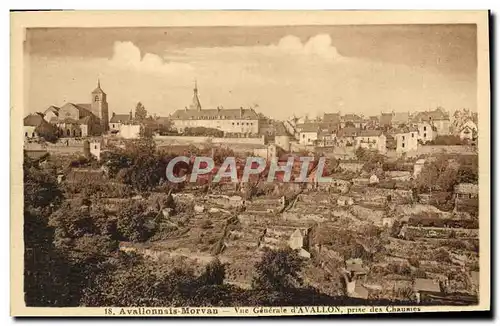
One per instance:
(397,223)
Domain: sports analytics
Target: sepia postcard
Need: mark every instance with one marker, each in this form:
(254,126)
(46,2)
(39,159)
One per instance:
(249,163)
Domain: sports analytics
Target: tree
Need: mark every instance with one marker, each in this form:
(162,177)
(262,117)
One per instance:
(135,222)
(40,187)
(279,270)
(140,112)
(48,132)
(214,273)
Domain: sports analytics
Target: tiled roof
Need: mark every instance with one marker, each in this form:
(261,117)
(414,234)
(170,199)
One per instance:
(85,106)
(308,127)
(331,117)
(34,120)
(52,108)
(280,129)
(352,117)
(215,114)
(403,130)
(84,109)
(427,285)
(348,132)
(370,133)
(120,118)
(437,114)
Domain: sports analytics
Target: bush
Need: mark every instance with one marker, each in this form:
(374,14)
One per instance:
(414,262)
(203,131)
(446,140)
(206,224)
(442,256)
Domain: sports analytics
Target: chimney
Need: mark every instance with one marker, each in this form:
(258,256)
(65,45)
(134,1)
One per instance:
(113,114)
(241,111)
(185,108)
(130,115)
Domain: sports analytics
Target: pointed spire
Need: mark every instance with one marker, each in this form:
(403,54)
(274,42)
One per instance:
(98,88)
(195,105)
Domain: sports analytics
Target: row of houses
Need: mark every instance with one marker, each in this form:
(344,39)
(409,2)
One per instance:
(403,139)
(335,129)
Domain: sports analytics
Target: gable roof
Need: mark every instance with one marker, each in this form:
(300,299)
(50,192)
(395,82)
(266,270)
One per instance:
(83,109)
(214,114)
(34,120)
(331,117)
(52,108)
(427,285)
(120,118)
(437,114)
(348,132)
(308,127)
(280,129)
(352,117)
(85,106)
(403,130)
(370,133)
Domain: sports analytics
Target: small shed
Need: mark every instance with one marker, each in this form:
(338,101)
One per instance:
(425,286)
(374,179)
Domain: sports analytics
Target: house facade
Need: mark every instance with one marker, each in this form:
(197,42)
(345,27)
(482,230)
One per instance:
(437,118)
(406,139)
(241,121)
(426,131)
(117,120)
(468,131)
(371,139)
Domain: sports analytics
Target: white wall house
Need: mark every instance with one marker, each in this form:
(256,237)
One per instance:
(372,139)
(406,139)
(468,130)
(426,132)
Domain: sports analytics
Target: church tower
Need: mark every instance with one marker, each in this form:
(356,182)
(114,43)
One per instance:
(196,105)
(99,106)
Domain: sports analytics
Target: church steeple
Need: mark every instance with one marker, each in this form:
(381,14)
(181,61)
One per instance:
(98,89)
(195,105)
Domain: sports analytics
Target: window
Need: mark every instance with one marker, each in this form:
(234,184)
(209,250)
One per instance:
(33,134)
(303,136)
(425,135)
(26,134)
(95,146)
(425,128)
(233,123)
(96,98)
(412,135)
(403,145)
(68,132)
(403,137)
(237,123)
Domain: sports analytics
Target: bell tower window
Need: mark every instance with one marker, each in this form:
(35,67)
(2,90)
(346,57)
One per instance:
(96,98)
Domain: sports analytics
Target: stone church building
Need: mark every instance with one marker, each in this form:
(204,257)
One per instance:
(81,120)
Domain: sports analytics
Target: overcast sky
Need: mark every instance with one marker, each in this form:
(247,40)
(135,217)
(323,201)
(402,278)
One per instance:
(285,70)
